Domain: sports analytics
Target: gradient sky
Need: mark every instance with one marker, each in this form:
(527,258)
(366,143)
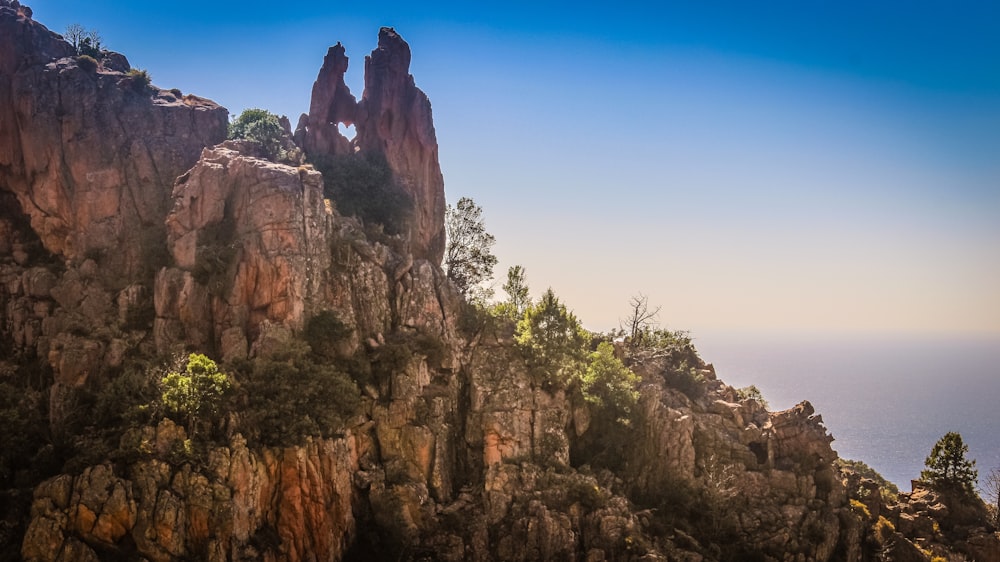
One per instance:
(808,166)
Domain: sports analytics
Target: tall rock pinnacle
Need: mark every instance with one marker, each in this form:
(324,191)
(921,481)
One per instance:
(392,119)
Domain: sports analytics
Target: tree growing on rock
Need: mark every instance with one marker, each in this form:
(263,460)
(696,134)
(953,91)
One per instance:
(516,288)
(262,127)
(552,341)
(947,466)
(84,41)
(196,393)
(609,384)
(640,321)
(468,260)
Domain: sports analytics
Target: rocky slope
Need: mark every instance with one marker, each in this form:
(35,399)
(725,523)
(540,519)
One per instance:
(123,242)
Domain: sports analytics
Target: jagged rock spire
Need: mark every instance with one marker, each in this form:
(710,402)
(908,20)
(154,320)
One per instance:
(393,119)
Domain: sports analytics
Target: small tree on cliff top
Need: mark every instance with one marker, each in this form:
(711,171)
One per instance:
(947,466)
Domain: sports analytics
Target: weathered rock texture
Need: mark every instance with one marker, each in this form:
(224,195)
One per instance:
(126,230)
(270,504)
(88,157)
(393,119)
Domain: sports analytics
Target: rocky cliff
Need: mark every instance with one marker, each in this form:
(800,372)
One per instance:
(127,243)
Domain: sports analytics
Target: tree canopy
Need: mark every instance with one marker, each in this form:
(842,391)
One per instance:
(947,466)
(195,393)
(260,126)
(552,340)
(469,259)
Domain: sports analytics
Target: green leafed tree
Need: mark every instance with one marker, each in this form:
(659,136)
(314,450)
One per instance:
(947,466)
(262,127)
(469,260)
(516,288)
(609,384)
(552,341)
(196,393)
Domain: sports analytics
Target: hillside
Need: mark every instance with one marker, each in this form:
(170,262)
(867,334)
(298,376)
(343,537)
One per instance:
(368,411)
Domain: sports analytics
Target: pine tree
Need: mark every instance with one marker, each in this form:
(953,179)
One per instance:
(947,466)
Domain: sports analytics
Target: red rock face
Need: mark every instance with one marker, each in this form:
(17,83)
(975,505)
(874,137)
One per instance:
(89,156)
(393,119)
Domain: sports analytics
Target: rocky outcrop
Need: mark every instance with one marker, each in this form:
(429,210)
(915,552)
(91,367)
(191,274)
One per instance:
(88,155)
(249,241)
(91,153)
(392,120)
(273,504)
(254,242)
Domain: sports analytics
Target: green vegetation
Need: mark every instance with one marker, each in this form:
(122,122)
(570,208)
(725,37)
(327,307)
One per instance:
(84,41)
(261,127)
(363,186)
(87,62)
(887,490)
(552,341)
(752,393)
(468,259)
(291,396)
(196,394)
(139,80)
(609,384)
(516,288)
(947,466)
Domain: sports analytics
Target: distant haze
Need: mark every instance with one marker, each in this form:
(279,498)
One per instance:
(820,166)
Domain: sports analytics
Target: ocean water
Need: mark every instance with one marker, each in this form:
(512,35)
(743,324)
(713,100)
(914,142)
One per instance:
(885,399)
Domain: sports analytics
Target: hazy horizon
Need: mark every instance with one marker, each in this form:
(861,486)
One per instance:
(753,168)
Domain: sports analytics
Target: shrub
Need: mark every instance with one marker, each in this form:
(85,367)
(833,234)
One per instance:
(552,341)
(883,530)
(687,380)
(139,80)
(752,393)
(363,186)
(195,394)
(261,127)
(609,384)
(323,331)
(860,509)
(291,397)
(87,62)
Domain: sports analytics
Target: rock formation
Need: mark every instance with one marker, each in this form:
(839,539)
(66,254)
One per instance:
(393,120)
(118,243)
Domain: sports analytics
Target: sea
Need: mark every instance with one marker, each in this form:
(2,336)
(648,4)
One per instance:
(886,399)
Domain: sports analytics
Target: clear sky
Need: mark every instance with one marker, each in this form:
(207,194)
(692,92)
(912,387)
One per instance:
(805,165)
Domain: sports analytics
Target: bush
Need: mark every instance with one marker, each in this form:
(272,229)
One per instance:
(752,393)
(363,186)
(291,397)
(323,331)
(261,127)
(195,394)
(687,380)
(87,62)
(610,385)
(139,80)
(552,341)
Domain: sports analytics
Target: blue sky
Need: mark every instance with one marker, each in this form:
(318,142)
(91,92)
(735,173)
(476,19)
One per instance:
(786,166)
